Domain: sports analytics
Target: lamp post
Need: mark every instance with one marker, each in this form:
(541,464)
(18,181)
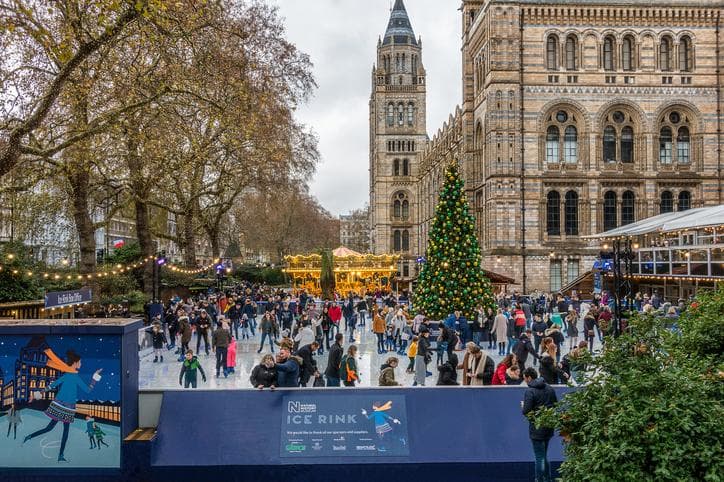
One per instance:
(622,258)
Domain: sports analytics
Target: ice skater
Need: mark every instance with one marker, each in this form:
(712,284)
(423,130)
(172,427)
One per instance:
(89,422)
(381,420)
(13,421)
(158,337)
(62,408)
(190,366)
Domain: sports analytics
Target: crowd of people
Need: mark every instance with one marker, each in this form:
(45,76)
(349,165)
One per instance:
(551,332)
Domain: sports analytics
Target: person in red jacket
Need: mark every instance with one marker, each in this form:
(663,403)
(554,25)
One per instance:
(520,322)
(335,314)
(499,375)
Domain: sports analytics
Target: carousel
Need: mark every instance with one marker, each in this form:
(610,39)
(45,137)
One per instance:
(353,271)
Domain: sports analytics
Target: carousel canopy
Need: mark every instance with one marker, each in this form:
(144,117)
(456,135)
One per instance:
(343,252)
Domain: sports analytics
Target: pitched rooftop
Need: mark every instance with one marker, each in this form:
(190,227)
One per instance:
(399,29)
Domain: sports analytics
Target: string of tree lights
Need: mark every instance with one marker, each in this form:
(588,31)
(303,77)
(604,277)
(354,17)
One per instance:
(117,269)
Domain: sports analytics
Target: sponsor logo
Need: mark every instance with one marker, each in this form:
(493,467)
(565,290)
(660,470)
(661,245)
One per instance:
(295,447)
(317,446)
(336,448)
(365,447)
(299,407)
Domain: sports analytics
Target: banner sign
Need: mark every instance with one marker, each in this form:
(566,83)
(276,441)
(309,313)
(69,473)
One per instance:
(345,425)
(55,299)
(597,281)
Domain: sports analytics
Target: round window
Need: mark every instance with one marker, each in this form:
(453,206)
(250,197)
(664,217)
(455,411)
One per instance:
(561,116)
(618,117)
(674,117)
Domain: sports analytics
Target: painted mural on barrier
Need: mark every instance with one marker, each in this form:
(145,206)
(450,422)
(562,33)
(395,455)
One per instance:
(345,425)
(60,401)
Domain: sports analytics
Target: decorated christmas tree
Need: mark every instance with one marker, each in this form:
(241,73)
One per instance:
(451,277)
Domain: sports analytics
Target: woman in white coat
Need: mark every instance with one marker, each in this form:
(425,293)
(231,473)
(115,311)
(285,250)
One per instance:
(500,330)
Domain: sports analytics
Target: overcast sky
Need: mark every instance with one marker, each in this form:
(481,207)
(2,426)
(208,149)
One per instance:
(341,38)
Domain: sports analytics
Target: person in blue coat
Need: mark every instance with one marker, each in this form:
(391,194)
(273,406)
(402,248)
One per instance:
(62,408)
(287,369)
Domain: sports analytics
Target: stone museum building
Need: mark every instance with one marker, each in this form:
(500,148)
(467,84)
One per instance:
(576,117)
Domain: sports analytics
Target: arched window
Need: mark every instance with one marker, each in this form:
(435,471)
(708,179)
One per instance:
(397,240)
(686,58)
(572,213)
(570,145)
(400,207)
(682,145)
(665,146)
(571,53)
(396,167)
(609,144)
(609,47)
(400,114)
(684,201)
(627,53)
(561,149)
(667,203)
(552,52)
(627,144)
(609,211)
(553,214)
(674,138)
(410,114)
(628,211)
(405,240)
(390,114)
(618,137)
(405,167)
(552,143)
(665,54)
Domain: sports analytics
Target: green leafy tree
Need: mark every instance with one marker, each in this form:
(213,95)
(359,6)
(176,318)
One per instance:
(651,409)
(15,284)
(452,277)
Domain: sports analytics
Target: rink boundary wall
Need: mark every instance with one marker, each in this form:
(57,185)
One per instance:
(461,425)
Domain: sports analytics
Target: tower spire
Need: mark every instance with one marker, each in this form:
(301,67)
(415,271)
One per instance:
(399,28)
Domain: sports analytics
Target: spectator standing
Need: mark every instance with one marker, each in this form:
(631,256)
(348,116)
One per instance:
(538,394)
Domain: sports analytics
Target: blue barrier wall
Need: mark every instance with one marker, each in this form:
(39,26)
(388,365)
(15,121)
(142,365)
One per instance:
(444,425)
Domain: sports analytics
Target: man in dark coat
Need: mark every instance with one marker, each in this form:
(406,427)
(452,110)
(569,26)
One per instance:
(309,364)
(287,369)
(539,394)
(523,348)
(334,361)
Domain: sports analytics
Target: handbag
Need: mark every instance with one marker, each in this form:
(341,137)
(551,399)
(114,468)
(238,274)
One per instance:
(405,336)
(318,381)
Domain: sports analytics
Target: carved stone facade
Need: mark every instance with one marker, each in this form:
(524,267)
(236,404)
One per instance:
(578,117)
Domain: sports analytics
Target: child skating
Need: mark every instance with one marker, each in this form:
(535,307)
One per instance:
(158,337)
(189,368)
(99,436)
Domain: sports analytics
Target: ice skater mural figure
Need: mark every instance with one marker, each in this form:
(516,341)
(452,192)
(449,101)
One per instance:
(62,408)
(382,425)
(14,419)
(99,435)
(89,422)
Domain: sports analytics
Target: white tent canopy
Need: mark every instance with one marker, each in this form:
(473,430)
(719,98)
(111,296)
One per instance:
(664,223)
